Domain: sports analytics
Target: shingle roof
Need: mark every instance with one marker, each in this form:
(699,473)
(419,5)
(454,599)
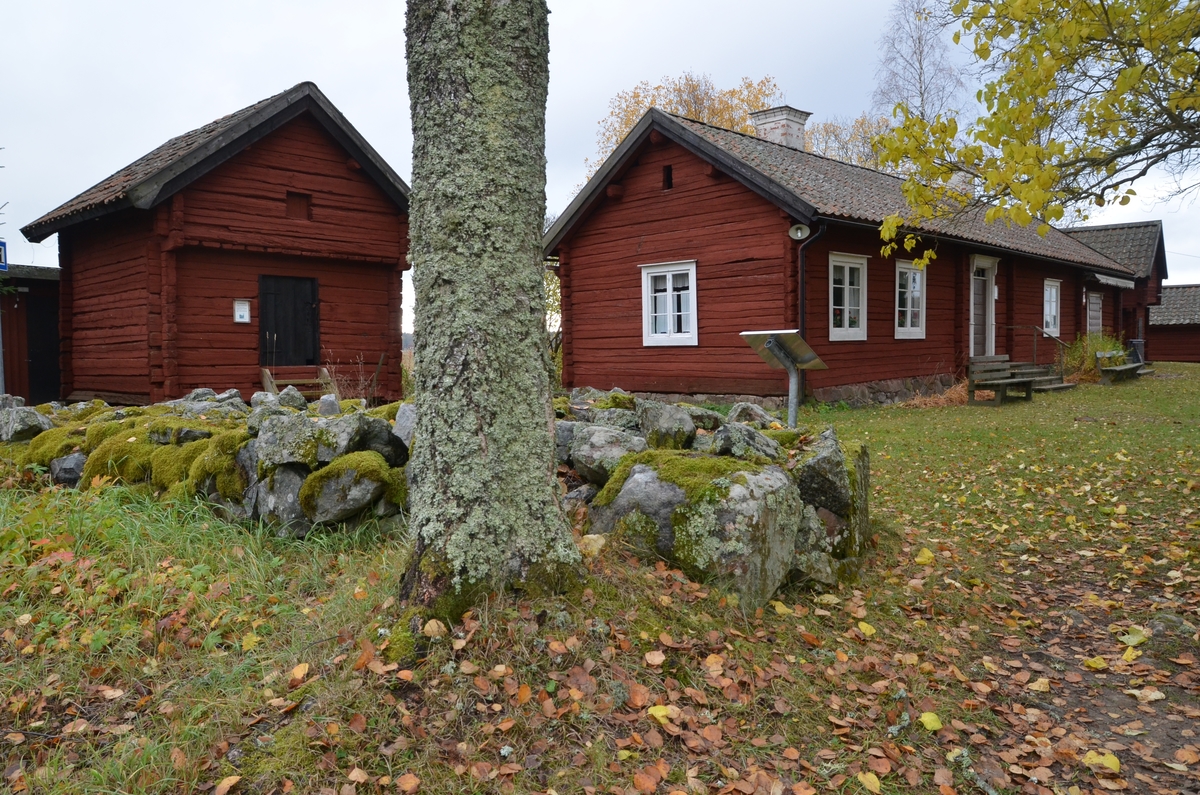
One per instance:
(1135,245)
(809,186)
(1180,306)
(843,190)
(155,176)
(43,272)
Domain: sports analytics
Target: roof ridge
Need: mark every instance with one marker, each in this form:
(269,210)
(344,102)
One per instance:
(1087,227)
(755,138)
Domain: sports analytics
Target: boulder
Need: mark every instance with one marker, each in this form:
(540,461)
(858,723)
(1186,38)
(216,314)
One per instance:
(261,412)
(706,419)
(564,432)
(741,533)
(241,506)
(68,470)
(377,435)
(177,435)
(597,449)
(259,399)
(291,398)
(666,426)
(22,423)
(625,419)
(278,499)
(229,396)
(328,406)
(300,439)
(406,424)
(750,414)
(742,441)
(653,498)
(346,488)
(202,394)
(12,401)
(822,477)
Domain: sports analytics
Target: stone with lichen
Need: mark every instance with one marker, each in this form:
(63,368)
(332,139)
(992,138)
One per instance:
(596,450)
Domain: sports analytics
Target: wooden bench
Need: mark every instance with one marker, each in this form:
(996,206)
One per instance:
(1112,373)
(995,374)
(312,388)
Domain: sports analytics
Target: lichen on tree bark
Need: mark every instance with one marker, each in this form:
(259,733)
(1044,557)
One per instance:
(484,497)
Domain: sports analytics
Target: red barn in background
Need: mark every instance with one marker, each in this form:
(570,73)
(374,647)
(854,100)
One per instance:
(1175,325)
(271,238)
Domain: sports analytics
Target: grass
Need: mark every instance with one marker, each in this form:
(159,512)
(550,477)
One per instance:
(195,650)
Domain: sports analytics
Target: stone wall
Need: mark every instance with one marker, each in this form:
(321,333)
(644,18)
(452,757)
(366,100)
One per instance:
(892,390)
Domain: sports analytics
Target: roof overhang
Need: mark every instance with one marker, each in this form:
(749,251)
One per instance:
(655,120)
(166,182)
(1112,281)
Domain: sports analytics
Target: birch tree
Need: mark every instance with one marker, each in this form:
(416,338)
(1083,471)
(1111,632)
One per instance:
(483,497)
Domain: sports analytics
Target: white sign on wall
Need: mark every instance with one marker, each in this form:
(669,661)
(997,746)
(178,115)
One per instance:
(241,311)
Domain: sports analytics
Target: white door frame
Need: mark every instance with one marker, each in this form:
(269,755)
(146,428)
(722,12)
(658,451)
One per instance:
(989,264)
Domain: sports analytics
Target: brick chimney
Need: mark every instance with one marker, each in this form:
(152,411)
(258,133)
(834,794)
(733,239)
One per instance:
(781,125)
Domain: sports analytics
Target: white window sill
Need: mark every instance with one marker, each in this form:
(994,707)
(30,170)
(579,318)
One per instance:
(844,335)
(910,334)
(669,341)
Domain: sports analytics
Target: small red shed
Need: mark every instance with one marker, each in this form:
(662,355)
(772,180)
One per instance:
(689,234)
(274,237)
(1175,325)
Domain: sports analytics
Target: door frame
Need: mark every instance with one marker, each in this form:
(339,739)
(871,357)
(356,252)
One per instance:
(989,264)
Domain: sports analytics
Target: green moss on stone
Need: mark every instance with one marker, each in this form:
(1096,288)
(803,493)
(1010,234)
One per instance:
(170,464)
(385,412)
(562,408)
(171,426)
(87,411)
(98,432)
(123,456)
(219,462)
(616,400)
(786,438)
(52,444)
(351,405)
(692,472)
(369,465)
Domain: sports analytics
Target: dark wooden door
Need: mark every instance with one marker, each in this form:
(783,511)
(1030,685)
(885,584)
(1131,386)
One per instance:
(289,321)
(41,319)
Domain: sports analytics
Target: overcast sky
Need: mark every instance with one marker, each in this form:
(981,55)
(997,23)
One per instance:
(88,87)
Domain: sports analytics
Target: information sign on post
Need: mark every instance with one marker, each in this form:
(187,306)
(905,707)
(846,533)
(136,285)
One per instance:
(786,350)
(3,257)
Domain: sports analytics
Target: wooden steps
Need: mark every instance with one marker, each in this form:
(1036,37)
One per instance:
(312,388)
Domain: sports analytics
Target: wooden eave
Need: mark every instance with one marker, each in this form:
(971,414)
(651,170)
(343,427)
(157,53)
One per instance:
(174,177)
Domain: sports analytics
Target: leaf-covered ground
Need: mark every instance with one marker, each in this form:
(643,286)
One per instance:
(1027,623)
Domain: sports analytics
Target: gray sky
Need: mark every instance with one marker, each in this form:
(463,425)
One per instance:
(87,87)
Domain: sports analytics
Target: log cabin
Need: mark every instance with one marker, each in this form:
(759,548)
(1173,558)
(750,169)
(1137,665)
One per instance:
(29,332)
(689,234)
(1174,331)
(274,238)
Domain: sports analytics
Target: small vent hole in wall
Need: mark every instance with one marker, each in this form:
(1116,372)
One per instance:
(668,181)
(299,205)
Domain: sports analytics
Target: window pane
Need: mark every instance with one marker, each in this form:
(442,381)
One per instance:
(916,319)
(839,296)
(852,316)
(839,275)
(853,296)
(853,275)
(839,319)
(658,283)
(915,285)
(679,281)
(903,281)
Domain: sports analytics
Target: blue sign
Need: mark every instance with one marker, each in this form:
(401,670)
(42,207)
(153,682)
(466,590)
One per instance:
(3,256)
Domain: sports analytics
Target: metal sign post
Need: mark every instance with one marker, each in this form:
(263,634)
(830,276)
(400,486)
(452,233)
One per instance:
(786,350)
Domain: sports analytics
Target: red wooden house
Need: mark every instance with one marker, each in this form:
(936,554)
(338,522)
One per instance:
(1175,325)
(273,237)
(1140,247)
(681,241)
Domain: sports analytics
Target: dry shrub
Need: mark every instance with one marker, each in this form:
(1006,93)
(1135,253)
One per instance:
(355,380)
(954,396)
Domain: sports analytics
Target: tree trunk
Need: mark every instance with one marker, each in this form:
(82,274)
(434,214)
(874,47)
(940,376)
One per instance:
(483,491)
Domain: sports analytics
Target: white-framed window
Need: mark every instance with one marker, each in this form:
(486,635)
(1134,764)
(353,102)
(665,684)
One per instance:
(847,297)
(669,304)
(1052,307)
(910,301)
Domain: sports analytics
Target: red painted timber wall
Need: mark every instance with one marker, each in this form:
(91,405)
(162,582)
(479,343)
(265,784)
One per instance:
(216,352)
(104,305)
(243,203)
(744,275)
(1173,343)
